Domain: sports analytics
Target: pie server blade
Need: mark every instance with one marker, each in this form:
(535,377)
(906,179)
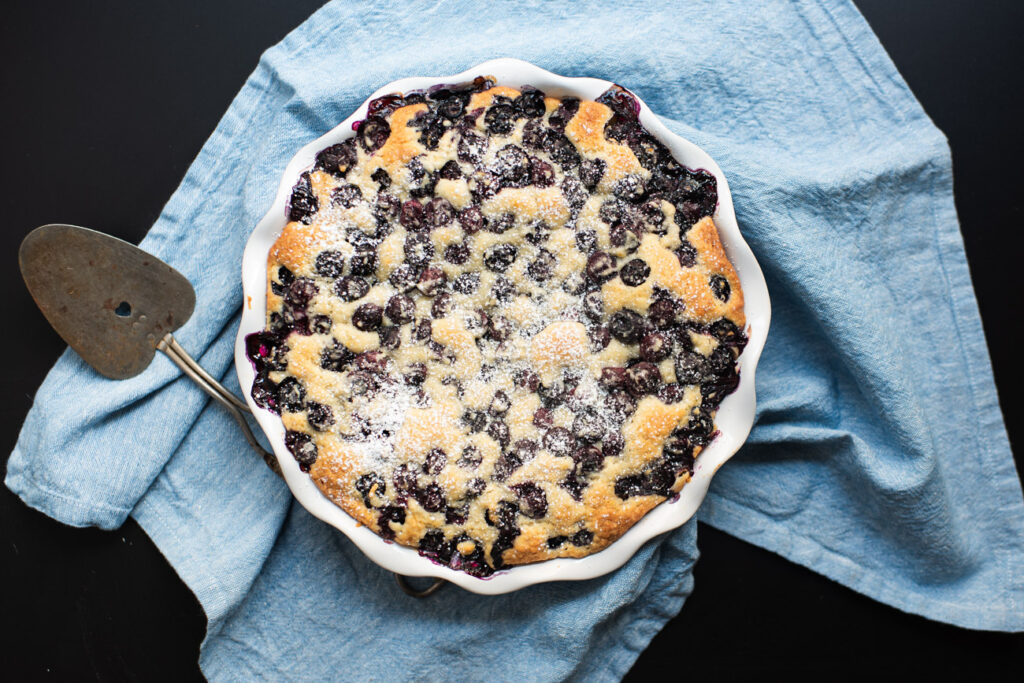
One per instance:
(109,300)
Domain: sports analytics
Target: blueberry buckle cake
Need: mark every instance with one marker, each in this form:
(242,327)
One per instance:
(499,323)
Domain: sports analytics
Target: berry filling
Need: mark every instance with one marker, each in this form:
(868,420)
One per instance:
(507,310)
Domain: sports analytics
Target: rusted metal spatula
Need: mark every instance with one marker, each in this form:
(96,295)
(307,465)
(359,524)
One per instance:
(116,306)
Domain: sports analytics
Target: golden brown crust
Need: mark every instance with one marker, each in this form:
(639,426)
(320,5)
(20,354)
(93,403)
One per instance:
(440,427)
(483,99)
(586,131)
(704,236)
(402,145)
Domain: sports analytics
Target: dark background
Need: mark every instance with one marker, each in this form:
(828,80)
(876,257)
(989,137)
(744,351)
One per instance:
(102,112)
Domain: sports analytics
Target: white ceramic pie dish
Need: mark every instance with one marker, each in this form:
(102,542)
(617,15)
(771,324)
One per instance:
(735,415)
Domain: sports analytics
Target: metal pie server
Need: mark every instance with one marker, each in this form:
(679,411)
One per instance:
(116,306)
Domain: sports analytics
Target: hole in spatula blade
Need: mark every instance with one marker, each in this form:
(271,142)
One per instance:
(124,309)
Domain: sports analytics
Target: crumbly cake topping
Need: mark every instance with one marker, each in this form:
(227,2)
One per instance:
(499,323)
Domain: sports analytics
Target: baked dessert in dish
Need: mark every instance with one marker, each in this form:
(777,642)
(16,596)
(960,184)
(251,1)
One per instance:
(499,323)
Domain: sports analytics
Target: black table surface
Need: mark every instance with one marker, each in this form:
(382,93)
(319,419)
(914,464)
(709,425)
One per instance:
(103,111)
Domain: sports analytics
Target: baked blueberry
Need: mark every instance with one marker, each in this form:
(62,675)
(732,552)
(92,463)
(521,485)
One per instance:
(533,502)
(303,203)
(438,212)
(720,287)
(499,257)
(541,173)
(291,395)
(589,459)
(500,403)
(435,461)
(452,108)
(419,249)
(300,292)
(336,357)
(665,313)
(582,538)
(387,208)
(351,288)
(635,272)
(456,254)
(389,515)
(630,188)
(624,237)
(432,280)
(337,159)
(601,266)
(401,309)
(471,219)
(642,378)
(687,255)
(411,215)
(500,224)
(559,441)
(346,196)
(543,418)
(373,133)
(284,278)
(415,374)
(588,426)
(382,178)
(727,333)
(655,347)
(422,331)
(470,459)
(593,305)
(363,262)
(512,166)
(371,483)
(404,277)
(575,194)
(319,416)
(600,338)
(467,283)
(497,429)
(498,328)
(626,326)
(556,542)
(320,324)
(471,147)
(442,305)
(542,267)
(652,217)
(564,113)
(591,172)
(301,446)
(431,497)
(530,104)
(691,368)
(586,241)
(367,317)
(500,119)
(390,337)
(451,170)
(330,263)
(613,377)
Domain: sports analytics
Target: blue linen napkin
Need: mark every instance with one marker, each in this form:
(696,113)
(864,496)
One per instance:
(879,457)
